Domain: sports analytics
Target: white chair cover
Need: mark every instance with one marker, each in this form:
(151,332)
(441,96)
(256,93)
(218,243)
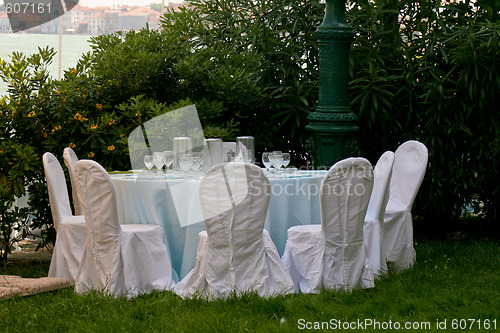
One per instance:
(228,151)
(373,226)
(71,232)
(333,254)
(235,254)
(410,163)
(119,260)
(70,160)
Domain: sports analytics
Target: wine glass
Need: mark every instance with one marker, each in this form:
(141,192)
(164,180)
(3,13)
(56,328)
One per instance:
(277,160)
(159,160)
(266,160)
(148,162)
(196,162)
(169,159)
(286,161)
(185,162)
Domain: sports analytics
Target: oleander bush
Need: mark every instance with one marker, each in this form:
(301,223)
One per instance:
(422,70)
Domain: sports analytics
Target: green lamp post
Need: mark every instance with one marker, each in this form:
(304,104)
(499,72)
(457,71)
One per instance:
(332,126)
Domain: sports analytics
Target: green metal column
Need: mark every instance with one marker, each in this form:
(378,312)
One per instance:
(333,126)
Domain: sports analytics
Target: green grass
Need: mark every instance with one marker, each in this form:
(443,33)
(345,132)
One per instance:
(451,280)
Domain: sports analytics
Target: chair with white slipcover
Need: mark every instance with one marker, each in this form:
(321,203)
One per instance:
(235,254)
(410,164)
(332,254)
(70,160)
(71,232)
(374,219)
(120,260)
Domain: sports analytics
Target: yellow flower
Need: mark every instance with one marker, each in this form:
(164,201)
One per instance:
(72,145)
(98,106)
(93,127)
(91,154)
(78,116)
(31,114)
(56,128)
(111,148)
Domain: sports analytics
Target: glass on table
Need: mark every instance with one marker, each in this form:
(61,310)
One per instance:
(277,160)
(159,160)
(286,161)
(148,162)
(169,159)
(266,160)
(185,162)
(197,161)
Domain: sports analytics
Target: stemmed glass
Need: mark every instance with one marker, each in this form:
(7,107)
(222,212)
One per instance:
(159,161)
(169,159)
(266,160)
(286,161)
(197,162)
(148,162)
(277,160)
(185,162)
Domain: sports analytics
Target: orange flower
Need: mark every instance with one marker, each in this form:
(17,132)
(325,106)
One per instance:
(78,116)
(93,127)
(31,114)
(45,134)
(98,106)
(111,122)
(74,71)
(91,154)
(72,145)
(111,148)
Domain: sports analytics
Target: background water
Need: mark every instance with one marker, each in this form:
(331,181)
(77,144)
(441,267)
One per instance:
(73,46)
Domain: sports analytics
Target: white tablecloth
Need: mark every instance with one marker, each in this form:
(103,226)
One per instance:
(174,205)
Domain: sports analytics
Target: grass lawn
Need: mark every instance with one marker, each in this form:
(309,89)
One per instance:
(452,281)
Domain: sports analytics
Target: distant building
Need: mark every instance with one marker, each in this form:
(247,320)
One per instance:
(138,18)
(4,22)
(96,24)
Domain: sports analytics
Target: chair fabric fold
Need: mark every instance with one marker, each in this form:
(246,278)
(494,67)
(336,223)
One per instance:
(70,160)
(410,164)
(120,260)
(333,255)
(71,231)
(374,219)
(235,254)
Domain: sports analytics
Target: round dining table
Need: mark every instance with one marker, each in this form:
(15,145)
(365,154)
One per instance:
(171,201)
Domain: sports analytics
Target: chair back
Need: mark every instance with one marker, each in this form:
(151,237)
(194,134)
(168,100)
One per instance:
(98,200)
(344,195)
(380,193)
(234,200)
(410,164)
(70,160)
(58,191)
